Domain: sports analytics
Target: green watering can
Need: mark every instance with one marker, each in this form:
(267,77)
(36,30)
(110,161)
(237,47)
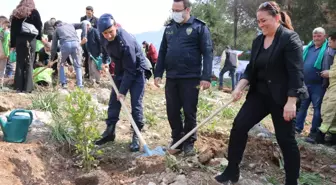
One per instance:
(16,128)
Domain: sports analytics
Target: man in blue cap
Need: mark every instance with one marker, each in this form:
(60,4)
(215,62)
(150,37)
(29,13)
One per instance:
(130,67)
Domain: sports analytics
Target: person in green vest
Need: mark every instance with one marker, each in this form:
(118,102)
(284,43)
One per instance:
(43,78)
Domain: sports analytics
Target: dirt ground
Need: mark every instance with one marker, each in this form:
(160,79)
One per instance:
(42,161)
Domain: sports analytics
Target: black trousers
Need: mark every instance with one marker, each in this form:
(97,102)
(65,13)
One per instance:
(256,107)
(86,61)
(25,52)
(153,67)
(182,93)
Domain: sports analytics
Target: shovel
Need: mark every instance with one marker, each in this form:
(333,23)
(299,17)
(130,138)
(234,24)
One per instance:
(44,68)
(158,150)
(172,150)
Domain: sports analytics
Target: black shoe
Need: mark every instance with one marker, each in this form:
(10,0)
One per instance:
(333,139)
(291,182)
(311,138)
(86,75)
(64,86)
(320,137)
(134,146)
(230,174)
(188,149)
(108,135)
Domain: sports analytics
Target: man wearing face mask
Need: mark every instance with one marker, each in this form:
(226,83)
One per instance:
(185,42)
(129,75)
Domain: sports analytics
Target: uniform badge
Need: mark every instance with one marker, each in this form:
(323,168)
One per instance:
(189,30)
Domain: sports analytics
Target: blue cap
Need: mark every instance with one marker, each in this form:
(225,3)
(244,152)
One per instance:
(105,22)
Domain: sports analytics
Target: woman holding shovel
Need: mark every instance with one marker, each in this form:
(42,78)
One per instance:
(129,75)
(275,76)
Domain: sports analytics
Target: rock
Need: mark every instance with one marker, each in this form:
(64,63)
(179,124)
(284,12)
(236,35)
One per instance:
(180,179)
(155,136)
(151,183)
(5,104)
(333,167)
(252,165)
(97,177)
(103,96)
(224,162)
(260,131)
(41,118)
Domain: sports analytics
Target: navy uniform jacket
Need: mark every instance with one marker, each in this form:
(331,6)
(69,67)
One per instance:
(128,57)
(93,42)
(182,48)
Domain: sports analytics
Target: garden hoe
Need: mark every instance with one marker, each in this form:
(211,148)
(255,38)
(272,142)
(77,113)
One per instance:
(158,150)
(172,150)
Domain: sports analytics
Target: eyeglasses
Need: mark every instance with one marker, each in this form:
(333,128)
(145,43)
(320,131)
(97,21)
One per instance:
(171,11)
(268,4)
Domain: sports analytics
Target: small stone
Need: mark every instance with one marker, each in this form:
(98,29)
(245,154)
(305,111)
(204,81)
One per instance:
(155,136)
(134,163)
(252,165)
(151,183)
(224,162)
(333,167)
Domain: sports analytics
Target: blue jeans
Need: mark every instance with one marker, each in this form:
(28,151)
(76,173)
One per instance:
(316,93)
(71,48)
(232,72)
(238,76)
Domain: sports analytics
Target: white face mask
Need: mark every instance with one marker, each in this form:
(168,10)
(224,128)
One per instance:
(178,16)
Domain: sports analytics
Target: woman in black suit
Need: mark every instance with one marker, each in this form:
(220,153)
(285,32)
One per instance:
(24,44)
(275,76)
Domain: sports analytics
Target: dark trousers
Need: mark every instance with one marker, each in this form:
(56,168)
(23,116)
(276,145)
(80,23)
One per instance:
(25,53)
(137,91)
(316,94)
(86,61)
(153,67)
(182,93)
(232,72)
(256,107)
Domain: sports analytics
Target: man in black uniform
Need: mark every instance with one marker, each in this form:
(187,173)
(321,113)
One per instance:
(185,41)
(129,75)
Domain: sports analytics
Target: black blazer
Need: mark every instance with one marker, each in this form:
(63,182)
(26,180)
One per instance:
(284,70)
(93,21)
(16,25)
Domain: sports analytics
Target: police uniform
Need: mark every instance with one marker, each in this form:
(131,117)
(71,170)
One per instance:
(180,55)
(130,65)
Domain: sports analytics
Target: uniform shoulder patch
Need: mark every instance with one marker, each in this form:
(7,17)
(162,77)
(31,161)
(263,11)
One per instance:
(201,21)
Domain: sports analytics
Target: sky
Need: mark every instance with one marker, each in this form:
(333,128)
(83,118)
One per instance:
(136,16)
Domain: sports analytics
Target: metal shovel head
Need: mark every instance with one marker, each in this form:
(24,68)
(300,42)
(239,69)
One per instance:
(157,151)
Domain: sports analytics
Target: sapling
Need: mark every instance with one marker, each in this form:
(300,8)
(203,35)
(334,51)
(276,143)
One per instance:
(82,116)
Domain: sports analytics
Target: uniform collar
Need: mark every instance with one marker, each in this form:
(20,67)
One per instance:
(191,20)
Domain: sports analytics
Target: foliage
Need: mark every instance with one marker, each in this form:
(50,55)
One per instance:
(150,118)
(82,116)
(310,178)
(46,102)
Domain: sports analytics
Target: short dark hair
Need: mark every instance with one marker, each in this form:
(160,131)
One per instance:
(186,3)
(89,8)
(144,42)
(333,36)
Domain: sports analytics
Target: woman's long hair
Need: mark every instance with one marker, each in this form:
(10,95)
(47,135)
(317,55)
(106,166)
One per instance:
(24,9)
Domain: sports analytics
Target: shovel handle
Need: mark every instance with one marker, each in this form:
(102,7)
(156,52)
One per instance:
(199,125)
(129,116)
(44,68)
